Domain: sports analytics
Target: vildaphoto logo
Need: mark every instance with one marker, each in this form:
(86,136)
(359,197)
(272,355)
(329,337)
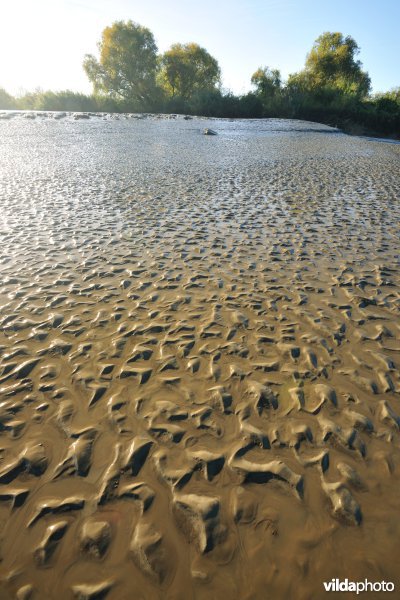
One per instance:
(336,585)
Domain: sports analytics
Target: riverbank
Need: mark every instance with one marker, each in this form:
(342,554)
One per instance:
(375,116)
(347,128)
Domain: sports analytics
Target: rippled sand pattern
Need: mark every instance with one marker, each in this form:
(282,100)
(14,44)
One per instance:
(199,359)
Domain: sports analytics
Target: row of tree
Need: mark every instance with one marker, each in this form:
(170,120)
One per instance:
(130,69)
(130,75)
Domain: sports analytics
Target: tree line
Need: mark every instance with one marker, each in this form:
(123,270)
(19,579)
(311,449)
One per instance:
(129,75)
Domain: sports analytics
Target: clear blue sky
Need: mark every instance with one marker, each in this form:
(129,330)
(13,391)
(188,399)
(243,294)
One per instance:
(42,42)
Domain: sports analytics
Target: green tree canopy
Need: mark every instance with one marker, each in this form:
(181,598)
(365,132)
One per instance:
(187,69)
(388,101)
(6,100)
(267,81)
(331,63)
(127,65)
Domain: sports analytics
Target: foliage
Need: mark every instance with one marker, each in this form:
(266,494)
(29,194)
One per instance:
(187,69)
(331,63)
(389,101)
(129,77)
(65,100)
(267,81)
(269,90)
(218,104)
(6,100)
(127,65)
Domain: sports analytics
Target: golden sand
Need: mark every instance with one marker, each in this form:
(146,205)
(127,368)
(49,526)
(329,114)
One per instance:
(199,384)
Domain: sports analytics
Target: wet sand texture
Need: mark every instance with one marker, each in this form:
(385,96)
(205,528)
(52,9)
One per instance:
(199,382)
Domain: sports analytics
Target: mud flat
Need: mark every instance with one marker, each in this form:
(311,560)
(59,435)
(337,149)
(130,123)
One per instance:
(199,382)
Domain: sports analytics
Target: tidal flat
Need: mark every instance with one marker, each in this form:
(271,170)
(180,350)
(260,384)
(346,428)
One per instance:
(199,376)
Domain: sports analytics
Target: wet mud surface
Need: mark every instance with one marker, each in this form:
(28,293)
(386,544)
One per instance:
(199,377)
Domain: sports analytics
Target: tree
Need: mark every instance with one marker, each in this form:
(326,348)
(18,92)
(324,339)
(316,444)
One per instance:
(127,65)
(6,100)
(187,69)
(267,81)
(389,101)
(332,63)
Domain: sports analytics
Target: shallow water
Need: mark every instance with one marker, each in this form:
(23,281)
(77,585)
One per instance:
(199,358)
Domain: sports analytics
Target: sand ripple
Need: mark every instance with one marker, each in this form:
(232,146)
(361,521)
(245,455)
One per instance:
(199,377)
